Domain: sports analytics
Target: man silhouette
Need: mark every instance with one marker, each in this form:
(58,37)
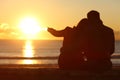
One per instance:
(99,44)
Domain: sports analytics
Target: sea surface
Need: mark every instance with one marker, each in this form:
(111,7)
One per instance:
(36,51)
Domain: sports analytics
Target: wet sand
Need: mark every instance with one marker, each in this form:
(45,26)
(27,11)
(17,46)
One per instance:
(52,72)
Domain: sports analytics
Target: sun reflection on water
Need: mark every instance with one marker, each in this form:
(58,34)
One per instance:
(28,51)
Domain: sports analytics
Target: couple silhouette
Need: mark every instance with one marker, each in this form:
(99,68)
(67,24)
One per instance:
(87,46)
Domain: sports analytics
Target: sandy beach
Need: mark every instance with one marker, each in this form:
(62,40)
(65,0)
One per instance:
(52,72)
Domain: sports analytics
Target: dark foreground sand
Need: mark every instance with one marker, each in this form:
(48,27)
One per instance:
(51,72)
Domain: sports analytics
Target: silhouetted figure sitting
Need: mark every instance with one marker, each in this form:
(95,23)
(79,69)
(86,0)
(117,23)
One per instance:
(70,57)
(88,46)
(99,44)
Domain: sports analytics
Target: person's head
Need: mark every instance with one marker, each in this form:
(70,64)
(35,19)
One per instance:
(83,23)
(93,15)
(94,18)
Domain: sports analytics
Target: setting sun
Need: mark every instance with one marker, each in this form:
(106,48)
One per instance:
(29,26)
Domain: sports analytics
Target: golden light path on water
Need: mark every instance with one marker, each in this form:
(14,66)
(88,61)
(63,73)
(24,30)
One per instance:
(28,51)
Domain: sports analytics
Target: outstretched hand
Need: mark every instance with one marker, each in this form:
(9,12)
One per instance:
(50,29)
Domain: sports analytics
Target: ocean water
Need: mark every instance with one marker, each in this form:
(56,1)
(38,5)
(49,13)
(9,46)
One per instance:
(16,51)
(36,51)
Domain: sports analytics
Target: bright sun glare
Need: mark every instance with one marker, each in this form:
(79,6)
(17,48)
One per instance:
(29,26)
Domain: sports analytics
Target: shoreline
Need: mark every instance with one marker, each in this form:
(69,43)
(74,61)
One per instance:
(52,72)
(32,66)
(41,66)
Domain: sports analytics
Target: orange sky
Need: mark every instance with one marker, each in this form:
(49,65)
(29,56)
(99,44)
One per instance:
(54,13)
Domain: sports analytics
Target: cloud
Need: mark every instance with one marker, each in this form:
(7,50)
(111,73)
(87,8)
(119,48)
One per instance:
(4,27)
(7,32)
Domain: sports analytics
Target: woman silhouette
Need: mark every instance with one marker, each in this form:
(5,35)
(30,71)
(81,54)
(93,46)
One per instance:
(71,56)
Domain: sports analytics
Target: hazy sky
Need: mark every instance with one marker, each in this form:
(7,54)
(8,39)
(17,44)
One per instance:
(57,13)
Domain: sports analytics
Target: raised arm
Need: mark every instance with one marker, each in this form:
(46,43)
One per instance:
(56,33)
(59,33)
(112,42)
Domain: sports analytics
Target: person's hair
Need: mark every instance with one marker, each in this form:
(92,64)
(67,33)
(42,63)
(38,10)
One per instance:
(93,15)
(82,23)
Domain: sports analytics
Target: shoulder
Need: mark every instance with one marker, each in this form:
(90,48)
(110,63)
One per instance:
(108,28)
(68,29)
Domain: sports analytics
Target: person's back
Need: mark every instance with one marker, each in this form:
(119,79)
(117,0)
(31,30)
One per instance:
(66,57)
(100,43)
(70,56)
